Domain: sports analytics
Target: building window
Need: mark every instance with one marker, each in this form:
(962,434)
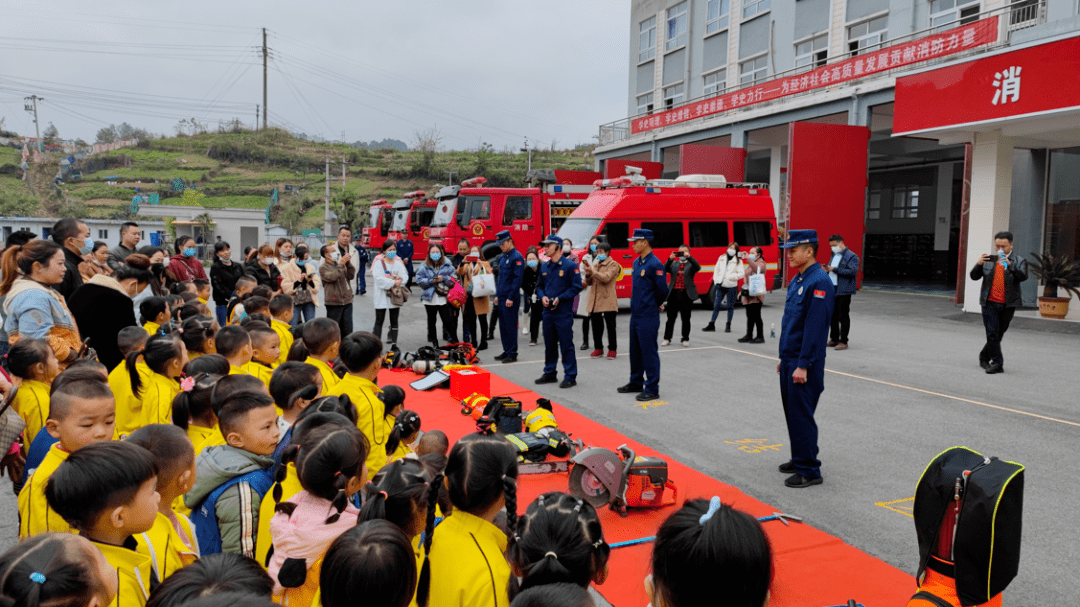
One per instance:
(715,83)
(103,234)
(949,12)
(812,53)
(676,26)
(647,40)
(754,7)
(717,18)
(873,206)
(905,202)
(645,104)
(754,70)
(674,95)
(867,34)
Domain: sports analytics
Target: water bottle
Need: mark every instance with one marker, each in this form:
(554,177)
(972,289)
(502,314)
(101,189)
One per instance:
(772,332)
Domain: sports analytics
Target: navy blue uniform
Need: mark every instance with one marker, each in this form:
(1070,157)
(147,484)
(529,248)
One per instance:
(508,288)
(559,280)
(804,331)
(648,292)
(405,252)
(361,267)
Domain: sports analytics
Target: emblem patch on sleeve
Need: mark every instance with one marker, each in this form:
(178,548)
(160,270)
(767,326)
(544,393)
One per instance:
(819,294)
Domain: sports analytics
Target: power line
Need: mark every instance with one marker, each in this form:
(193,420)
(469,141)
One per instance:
(289,82)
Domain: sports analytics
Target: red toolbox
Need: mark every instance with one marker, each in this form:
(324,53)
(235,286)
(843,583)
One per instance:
(465,381)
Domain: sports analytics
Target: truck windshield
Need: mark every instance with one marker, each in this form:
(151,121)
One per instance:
(580,229)
(373,220)
(444,213)
(401,221)
(473,208)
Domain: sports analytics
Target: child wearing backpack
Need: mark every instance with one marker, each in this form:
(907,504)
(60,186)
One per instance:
(32,361)
(464,562)
(319,342)
(173,535)
(232,478)
(330,467)
(166,356)
(372,560)
(361,353)
(55,569)
(108,492)
(128,407)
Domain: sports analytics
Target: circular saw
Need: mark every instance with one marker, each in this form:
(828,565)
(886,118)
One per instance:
(620,480)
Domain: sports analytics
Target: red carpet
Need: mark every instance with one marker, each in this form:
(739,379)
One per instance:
(813,569)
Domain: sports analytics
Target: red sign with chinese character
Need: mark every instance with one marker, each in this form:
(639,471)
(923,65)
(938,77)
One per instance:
(1028,81)
(952,41)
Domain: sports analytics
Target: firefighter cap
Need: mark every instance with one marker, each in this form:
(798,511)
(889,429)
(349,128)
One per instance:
(502,236)
(552,239)
(641,234)
(798,237)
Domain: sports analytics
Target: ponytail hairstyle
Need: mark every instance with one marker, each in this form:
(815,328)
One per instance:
(706,545)
(392,397)
(406,424)
(328,458)
(26,353)
(158,352)
(150,308)
(398,491)
(479,471)
(196,331)
(563,595)
(341,405)
(214,575)
(19,260)
(373,560)
(194,404)
(300,431)
(53,570)
(559,539)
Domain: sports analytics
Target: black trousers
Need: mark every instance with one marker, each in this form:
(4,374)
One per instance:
(342,315)
(841,319)
(678,304)
(598,320)
(585,322)
(996,319)
(470,323)
(449,325)
(536,314)
(753,320)
(380,317)
(492,322)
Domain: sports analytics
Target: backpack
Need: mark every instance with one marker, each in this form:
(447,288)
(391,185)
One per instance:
(457,295)
(204,516)
(968,510)
(502,414)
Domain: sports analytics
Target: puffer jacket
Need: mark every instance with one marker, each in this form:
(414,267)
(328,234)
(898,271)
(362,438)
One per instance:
(425,277)
(728,271)
(305,535)
(237,514)
(602,279)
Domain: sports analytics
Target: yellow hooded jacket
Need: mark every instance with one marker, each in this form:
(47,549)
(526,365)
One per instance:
(171,548)
(134,564)
(329,378)
(468,568)
(285,333)
(157,397)
(35,515)
(364,395)
(128,407)
(32,404)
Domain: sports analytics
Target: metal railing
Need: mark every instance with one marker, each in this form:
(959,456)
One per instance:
(1018,15)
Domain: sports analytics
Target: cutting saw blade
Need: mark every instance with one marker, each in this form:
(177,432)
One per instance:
(584,484)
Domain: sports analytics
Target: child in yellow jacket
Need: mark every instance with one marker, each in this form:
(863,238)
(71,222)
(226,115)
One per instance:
(361,353)
(57,569)
(319,344)
(166,356)
(281,313)
(32,361)
(128,407)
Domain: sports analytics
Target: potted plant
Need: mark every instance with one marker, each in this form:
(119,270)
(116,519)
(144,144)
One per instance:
(1055,272)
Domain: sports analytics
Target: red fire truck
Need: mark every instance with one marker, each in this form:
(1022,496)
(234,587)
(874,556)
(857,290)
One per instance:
(703,211)
(413,214)
(379,222)
(477,213)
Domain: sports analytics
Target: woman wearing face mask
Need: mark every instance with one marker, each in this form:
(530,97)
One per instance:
(102,306)
(602,303)
(283,252)
(581,310)
(223,276)
(435,271)
(185,265)
(264,269)
(387,271)
(475,307)
(96,262)
(754,265)
(727,273)
(533,305)
(300,280)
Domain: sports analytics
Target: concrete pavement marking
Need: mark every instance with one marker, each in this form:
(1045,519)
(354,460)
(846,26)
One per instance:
(754,445)
(904,506)
(869,379)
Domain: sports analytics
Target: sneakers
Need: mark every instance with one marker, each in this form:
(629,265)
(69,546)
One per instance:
(568,383)
(745,339)
(611,354)
(758,340)
(841,346)
(985,364)
(509,359)
(832,343)
(629,389)
(709,328)
(547,378)
(584,346)
(798,481)
(483,346)
(666,342)
(596,354)
(532,343)
(646,396)
(686,343)
(787,468)
(995,368)
(501,356)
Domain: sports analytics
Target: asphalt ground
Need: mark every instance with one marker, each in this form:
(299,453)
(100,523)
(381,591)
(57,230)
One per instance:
(908,388)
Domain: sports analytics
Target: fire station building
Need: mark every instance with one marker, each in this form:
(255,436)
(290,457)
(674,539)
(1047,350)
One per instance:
(917,129)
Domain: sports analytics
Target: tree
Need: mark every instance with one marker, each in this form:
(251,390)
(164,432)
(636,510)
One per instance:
(51,132)
(107,134)
(205,223)
(427,142)
(289,213)
(344,206)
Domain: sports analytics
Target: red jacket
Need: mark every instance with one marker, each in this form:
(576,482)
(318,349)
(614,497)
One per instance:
(186,268)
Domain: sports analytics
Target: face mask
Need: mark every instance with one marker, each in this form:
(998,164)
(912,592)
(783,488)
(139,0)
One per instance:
(566,248)
(225,257)
(835,249)
(165,261)
(391,254)
(532,263)
(731,252)
(601,257)
(753,257)
(189,252)
(335,256)
(436,256)
(592,248)
(286,255)
(268,261)
(88,243)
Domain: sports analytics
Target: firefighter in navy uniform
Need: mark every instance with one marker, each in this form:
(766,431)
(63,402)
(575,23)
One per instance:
(804,334)
(508,295)
(648,292)
(559,283)
(406,251)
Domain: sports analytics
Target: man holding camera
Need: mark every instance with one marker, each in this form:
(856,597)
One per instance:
(1001,273)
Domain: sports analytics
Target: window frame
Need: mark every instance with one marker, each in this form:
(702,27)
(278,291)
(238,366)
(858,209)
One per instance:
(744,239)
(954,16)
(719,86)
(707,229)
(812,61)
(762,57)
(660,234)
(507,207)
(908,206)
(758,9)
(650,107)
(873,205)
(676,99)
(721,21)
(103,234)
(648,53)
(682,26)
(881,35)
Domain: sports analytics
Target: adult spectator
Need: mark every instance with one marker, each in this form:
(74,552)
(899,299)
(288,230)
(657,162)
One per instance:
(33,308)
(185,265)
(102,306)
(18,238)
(727,273)
(842,269)
(334,273)
(96,262)
(361,262)
(1001,274)
(534,308)
(581,309)
(435,277)
(159,264)
(264,269)
(476,307)
(406,251)
(682,292)
(647,294)
(130,235)
(74,237)
(559,284)
(456,260)
(755,264)
(283,251)
(387,272)
(803,334)
(300,280)
(507,300)
(603,304)
(224,273)
(345,249)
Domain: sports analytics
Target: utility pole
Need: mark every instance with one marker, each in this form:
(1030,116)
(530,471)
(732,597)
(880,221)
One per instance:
(529,151)
(32,107)
(266,108)
(326,216)
(451,174)
(343,173)
(256,116)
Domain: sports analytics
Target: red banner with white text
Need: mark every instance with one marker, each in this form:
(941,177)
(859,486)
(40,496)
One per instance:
(866,64)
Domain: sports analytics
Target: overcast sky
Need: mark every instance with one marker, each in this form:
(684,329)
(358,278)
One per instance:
(475,69)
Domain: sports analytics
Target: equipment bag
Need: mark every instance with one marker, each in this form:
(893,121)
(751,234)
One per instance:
(980,500)
(204,516)
(531,447)
(501,414)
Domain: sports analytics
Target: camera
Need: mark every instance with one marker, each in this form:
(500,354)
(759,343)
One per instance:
(678,254)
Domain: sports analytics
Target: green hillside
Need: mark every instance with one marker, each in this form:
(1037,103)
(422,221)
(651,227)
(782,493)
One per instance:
(242,169)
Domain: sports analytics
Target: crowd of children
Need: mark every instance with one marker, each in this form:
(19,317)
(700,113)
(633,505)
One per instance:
(235,465)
